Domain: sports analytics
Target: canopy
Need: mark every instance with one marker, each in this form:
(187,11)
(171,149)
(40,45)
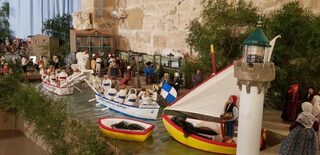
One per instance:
(210,97)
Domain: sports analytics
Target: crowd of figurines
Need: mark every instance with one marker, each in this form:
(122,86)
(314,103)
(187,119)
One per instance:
(57,70)
(302,109)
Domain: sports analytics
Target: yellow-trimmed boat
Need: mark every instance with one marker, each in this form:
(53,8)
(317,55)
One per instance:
(196,141)
(105,125)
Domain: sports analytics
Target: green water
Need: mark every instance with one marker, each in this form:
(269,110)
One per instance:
(160,143)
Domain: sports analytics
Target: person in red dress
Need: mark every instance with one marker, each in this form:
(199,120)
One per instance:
(290,111)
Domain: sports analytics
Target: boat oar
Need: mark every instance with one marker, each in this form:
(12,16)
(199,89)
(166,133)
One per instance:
(38,85)
(92,100)
(78,89)
(104,109)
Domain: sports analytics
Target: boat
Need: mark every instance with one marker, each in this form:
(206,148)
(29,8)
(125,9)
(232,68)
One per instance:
(67,87)
(147,112)
(202,103)
(66,90)
(106,126)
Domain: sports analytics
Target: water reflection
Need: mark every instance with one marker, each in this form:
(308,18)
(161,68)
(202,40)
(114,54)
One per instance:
(160,143)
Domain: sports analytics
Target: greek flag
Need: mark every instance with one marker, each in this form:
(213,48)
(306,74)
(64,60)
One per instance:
(168,92)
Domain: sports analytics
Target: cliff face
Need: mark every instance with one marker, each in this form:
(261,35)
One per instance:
(153,25)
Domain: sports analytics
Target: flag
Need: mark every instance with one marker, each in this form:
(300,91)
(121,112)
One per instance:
(168,92)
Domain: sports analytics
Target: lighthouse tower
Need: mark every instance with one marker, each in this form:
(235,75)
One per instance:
(254,73)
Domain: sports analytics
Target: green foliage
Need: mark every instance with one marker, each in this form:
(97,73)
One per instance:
(59,27)
(4,21)
(297,53)
(223,25)
(62,134)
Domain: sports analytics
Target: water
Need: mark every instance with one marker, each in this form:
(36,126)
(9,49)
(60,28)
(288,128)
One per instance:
(159,143)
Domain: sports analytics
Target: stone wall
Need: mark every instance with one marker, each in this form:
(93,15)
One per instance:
(153,25)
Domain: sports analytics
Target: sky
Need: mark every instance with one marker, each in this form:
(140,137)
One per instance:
(27,16)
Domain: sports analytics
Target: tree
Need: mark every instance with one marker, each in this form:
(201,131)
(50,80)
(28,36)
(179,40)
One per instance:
(297,53)
(225,26)
(4,21)
(58,27)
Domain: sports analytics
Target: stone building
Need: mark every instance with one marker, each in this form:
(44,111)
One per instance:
(153,25)
(42,45)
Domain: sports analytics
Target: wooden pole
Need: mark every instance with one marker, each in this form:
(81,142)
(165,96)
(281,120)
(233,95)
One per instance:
(213,62)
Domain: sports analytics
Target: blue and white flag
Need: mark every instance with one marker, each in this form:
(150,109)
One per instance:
(168,92)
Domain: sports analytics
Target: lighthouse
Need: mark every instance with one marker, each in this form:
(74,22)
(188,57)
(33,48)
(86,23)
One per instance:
(254,72)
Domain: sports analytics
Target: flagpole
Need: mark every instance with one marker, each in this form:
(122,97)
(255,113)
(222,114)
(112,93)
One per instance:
(213,62)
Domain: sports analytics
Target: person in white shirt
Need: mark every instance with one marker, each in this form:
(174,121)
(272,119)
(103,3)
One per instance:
(121,95)
(98,65)
(106,83)
(62,77)
(43,73)
(141,93)
(131,98)
(154,94)
(111,93)
(85,60)
(230,115)
(53,79)
(24,63)
(146,98)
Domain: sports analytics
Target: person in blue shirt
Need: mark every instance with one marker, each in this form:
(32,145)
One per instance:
(149,72)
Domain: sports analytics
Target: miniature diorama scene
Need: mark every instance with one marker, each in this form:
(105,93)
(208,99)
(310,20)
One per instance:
(189,77)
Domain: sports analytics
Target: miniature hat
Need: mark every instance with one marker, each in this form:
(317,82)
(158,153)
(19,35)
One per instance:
(307,107)
(234,99)
(176,74)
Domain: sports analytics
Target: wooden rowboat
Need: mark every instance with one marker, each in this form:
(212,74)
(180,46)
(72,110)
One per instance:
(105,125)
(57,90)
(147,112)
(195,141)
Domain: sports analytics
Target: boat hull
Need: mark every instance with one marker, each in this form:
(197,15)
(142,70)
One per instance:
(57,90)
(125,134)
(195,141)
(145,112)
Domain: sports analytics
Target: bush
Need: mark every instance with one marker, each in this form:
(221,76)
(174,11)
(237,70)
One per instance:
(225,26)
(61,133)
(297,53)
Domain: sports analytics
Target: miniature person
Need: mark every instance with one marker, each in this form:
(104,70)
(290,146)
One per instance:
(146,98)
(176,82)
(141,93)
(6,69)
(197,78)
(165,78)
(62,77)
(302,138)
(132,98)
(230,115)
(52,79)
(93,63)
(106,83)
(43,72)
(289,112)
(24,63)
(127,76)
(154,94)
(309,94)
(111,92)
(98,65)
(121,95)
(149,72)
